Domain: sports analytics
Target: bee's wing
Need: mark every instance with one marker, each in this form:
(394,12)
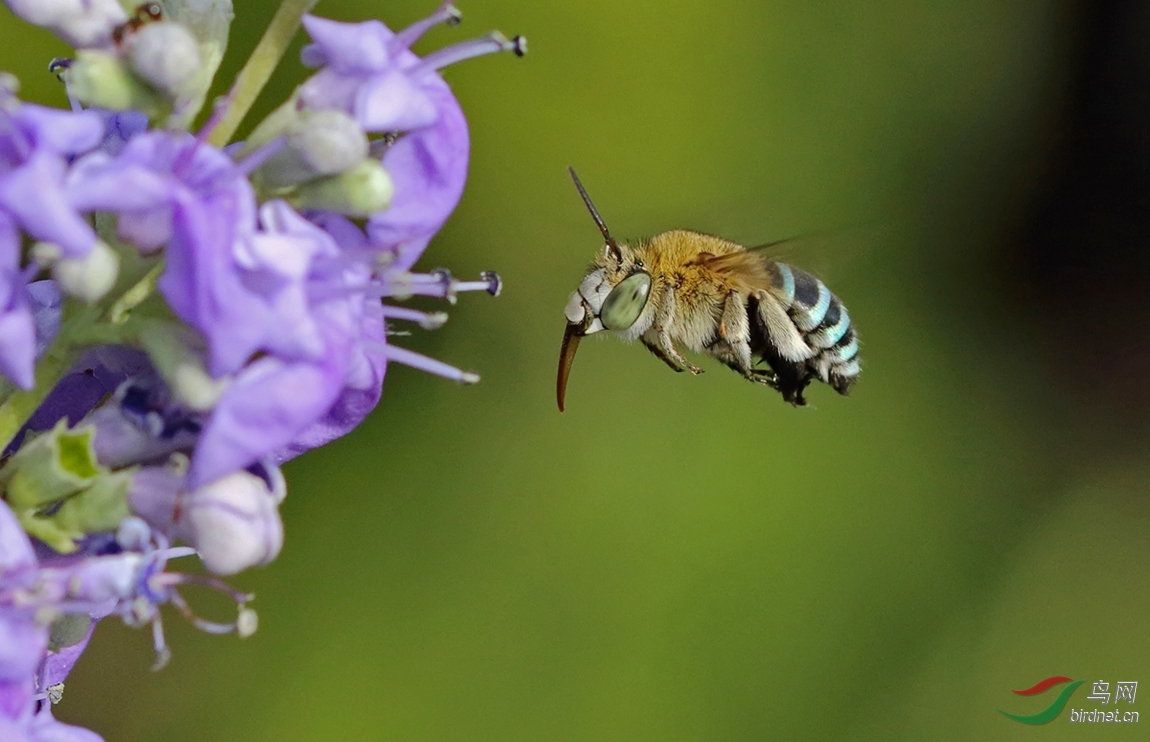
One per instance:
(751,269)
(772,285)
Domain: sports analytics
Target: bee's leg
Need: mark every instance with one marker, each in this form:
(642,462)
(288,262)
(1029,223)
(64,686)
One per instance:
(658,352)
(665,345)
(734,346)
(669,349)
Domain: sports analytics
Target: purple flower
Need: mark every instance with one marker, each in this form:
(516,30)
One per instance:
(268,405)
(35,144)
(429,169)
(31,669)
(371,73)
(265,335)
(150,176)
(22,640)
(17,325)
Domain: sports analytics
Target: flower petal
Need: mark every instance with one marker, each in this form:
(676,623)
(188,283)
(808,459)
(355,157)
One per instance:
(269,404)
(429,168)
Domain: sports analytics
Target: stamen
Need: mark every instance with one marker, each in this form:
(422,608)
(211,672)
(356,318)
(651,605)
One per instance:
(247,622)
(377,148)
(210,627)
(489,44)
(58,65)
(403,285)
(447,14)
(163,654)
(490,282)
(179,551)
(445,280)
(172,579)
(426,320)
(219,112)
(423,363)
(54,693)
(261,155)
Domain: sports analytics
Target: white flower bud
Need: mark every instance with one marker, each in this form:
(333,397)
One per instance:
(234,522)
(319,143)
(329,141)
(90,277)
(167,56)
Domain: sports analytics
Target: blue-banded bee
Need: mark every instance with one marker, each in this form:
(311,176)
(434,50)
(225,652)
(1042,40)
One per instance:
(683,288)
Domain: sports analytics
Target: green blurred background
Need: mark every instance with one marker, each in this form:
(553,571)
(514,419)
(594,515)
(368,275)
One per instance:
(680,558)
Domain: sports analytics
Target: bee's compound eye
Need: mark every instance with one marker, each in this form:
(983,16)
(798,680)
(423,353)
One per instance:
(625,302)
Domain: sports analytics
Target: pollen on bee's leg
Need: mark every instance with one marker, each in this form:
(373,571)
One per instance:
(489,44)
(423,363)
(447,14)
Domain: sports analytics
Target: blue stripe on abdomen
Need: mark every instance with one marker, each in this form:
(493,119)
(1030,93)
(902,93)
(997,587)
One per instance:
(785,280)
(807,316)
(834,325)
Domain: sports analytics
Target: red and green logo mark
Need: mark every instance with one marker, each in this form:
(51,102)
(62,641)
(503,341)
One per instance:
(1055,707)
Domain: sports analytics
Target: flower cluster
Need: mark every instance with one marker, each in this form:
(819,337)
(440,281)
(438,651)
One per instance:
(180,314)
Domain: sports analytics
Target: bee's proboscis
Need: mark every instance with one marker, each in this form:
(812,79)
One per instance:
(571,338)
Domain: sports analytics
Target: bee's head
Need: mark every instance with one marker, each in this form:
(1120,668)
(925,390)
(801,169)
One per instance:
(613,293)
(611,296)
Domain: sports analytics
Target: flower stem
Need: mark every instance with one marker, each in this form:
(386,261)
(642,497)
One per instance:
(258,68)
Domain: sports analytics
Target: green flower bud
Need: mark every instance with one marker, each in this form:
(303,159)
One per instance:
(360,191)
(102,80)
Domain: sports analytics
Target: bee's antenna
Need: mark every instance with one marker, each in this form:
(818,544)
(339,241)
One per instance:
(591,207)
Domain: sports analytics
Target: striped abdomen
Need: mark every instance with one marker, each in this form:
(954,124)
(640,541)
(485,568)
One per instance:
(803,332)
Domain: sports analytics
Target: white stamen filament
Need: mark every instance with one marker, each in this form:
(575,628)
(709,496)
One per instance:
(426,320)
(404,285)
(489,44)
(260,156)
(163,654)
(447,13)
(423,363)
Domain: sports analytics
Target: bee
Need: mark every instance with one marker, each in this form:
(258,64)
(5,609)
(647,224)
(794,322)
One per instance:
(144,14)
(712,296)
